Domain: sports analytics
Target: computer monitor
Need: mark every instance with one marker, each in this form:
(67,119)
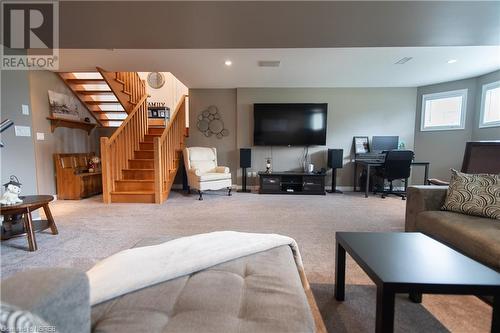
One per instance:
(383,143)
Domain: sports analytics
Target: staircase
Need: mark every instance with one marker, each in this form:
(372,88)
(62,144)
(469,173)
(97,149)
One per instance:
(95,93)
(139,162)
(137,181)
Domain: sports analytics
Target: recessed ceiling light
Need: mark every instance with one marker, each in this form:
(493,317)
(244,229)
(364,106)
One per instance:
(228,63)
(452,61)
(269,63)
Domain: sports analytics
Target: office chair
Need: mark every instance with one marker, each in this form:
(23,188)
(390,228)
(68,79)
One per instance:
(397,165)
(479,157)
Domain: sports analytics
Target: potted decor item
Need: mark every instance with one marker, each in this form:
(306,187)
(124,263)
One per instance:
(268,165)
(94,163)
(12,191)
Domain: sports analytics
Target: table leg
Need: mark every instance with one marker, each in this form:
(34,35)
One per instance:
(367,187)
(355,176)
(339,273)
(415,297)
(385,310)
(426,174)
(30,233)
(495,321)
(50,219)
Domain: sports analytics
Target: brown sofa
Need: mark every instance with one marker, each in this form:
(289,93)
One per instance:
(476,237)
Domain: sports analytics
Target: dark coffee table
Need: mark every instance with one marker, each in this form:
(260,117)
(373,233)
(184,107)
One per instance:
(30,203)
(416,264)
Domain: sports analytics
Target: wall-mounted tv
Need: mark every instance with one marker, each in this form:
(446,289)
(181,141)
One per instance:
(297,124)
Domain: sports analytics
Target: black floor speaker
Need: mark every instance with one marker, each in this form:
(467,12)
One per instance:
(335,161)
(245,162)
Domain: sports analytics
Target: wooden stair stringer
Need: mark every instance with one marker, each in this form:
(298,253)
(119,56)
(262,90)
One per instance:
(118,89)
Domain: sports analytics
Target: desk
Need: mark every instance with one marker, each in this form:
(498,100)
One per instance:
(369,164)
(29,204)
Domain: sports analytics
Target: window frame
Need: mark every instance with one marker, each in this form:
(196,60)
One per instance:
(440,95)
(485,88)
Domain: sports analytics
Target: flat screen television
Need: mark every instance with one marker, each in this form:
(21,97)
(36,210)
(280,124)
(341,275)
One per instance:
(297,124)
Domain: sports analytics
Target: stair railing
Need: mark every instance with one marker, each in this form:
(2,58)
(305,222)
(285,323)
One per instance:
(119,148)
(168,151)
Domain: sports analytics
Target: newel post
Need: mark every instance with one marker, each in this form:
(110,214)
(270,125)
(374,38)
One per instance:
(157,171)
(106,168)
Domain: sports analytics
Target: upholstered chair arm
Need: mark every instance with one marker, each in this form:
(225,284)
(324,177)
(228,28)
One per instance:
(196,172)
(222,169)
(422,198)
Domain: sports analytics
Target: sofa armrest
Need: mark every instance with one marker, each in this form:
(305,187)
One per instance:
(60,296)
(435,181)
(422,198)
(222,169)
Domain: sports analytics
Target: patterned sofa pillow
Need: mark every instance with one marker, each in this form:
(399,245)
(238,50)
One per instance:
(474,194)
(13,319)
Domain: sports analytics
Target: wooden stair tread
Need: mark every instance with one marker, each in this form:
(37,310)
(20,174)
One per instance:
(86,81)
(100,111)
(134,181)
(94,92)
(132,169)
(132,192)
(101,102)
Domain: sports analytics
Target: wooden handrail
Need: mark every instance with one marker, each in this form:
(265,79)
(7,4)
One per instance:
(167,151)
(173,116)
(127,120)
(117,150)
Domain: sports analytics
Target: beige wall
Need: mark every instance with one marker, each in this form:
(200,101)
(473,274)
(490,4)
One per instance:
(170,93)
(487,133)
(445,149)
(63,140)
(17,156)
(370,111)
(351,112)
(225,101)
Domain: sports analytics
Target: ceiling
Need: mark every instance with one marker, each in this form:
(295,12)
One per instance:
(308,67)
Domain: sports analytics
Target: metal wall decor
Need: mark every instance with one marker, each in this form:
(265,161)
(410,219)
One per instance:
(156,80)
(210,123)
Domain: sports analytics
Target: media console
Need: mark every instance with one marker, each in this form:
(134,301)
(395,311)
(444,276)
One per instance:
(292,183)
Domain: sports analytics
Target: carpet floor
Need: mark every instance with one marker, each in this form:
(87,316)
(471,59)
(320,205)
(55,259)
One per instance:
(90,230)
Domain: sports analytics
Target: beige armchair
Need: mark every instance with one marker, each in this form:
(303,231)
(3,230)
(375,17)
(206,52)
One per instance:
(202,170)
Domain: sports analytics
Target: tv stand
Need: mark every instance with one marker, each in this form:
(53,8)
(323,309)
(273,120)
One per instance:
(291,182)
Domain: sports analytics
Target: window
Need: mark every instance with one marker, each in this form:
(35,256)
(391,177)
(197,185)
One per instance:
(490,105)
(444,111)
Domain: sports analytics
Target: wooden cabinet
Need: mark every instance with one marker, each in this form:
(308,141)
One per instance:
(292,183)
(73,179)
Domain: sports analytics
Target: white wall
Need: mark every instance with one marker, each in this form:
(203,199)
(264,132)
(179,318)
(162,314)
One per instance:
(170,93)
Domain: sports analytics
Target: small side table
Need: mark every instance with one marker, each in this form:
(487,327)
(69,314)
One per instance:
(30,203)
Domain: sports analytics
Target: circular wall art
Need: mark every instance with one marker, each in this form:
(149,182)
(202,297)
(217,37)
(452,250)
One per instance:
(210,123)
(156,80)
